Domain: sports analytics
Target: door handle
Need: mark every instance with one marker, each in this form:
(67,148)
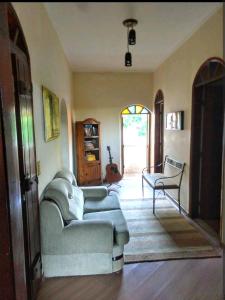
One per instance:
(27,184)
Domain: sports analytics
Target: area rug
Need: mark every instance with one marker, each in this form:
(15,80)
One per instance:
(167,235)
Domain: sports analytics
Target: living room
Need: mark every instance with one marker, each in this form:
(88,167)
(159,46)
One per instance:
(77,51)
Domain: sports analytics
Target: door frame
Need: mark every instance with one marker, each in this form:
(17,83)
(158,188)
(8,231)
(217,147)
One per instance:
(201,82)
(148,150)
(159,130)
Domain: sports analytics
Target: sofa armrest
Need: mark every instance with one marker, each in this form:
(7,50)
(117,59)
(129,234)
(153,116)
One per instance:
(86,236)
(95,192)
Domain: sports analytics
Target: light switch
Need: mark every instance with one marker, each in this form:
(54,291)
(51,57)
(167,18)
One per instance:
(38,165)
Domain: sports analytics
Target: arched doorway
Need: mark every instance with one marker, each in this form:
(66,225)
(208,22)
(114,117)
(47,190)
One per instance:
(207,131)
(159,131)
(25,206)
(135,133)
(64,136)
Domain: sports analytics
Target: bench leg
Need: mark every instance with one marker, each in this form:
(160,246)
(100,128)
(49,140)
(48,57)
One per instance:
(142,187)
(179,200)
(153,201)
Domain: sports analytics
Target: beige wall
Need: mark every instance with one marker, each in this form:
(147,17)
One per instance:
(102,96)
(175,77)
(49,67)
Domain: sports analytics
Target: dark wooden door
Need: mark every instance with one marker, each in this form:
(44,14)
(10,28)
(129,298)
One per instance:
(211,146)
(159,131)
(27,164)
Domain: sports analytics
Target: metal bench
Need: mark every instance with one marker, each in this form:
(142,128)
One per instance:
(161,181)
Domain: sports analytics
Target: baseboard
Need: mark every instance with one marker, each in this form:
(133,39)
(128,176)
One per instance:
(176,203)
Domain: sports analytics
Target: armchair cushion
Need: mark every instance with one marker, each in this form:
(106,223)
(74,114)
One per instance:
(68,198)
(121,233)
(94,204)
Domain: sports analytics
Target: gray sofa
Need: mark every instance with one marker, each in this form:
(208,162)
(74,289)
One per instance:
(83,230)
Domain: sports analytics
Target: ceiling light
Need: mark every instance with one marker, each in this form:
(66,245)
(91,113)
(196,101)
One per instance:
(128,59)
(131,39)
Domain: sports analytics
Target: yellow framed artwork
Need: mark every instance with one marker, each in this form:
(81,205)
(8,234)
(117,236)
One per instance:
(51,114)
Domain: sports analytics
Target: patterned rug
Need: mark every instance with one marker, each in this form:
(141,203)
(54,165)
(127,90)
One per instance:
(167,235)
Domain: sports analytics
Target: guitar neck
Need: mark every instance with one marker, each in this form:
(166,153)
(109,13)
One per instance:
(110,157)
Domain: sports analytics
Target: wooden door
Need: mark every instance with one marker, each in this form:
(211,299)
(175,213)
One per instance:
(12,265)
(211,153)
(148,147)
(159,131)
(27,164)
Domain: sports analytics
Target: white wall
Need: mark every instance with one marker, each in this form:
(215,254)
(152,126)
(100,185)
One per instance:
(102,96)
(175,78)
(50,68)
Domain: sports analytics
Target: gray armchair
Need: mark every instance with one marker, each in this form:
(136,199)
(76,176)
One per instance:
(83,230)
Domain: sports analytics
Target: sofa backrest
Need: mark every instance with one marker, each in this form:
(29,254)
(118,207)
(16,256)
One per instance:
(68,198)
(67,175)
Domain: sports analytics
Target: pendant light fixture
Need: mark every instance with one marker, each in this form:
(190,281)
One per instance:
(131,39)
(128,57)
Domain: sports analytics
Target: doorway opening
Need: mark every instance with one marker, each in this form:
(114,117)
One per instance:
(159,131)
(135,121)
(207,144)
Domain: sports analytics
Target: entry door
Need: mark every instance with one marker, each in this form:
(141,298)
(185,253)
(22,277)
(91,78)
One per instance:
(211,152)
(28,176)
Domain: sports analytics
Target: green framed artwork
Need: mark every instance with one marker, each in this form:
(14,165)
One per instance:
(51,114)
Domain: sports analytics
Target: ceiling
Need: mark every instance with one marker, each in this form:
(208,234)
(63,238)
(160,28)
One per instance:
(94,39)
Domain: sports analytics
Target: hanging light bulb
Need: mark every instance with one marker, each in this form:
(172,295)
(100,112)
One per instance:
(128,59)
(132,37)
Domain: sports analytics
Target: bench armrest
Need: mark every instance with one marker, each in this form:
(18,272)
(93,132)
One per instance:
(158,165)
(167,177)
(95,192)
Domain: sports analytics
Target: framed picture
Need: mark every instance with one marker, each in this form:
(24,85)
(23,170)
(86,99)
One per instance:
(51,114)
(175,120)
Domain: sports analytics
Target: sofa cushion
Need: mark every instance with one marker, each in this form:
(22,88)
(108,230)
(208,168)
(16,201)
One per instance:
(67,175)
(95,204)
(121,233)
(68,198)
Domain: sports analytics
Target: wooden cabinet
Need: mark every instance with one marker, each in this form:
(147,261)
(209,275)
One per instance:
(88,150)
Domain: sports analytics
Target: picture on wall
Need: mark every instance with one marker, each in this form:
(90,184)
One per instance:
(51,114)
(175,120)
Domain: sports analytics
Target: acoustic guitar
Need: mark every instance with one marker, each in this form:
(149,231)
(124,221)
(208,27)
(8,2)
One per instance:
(112,172)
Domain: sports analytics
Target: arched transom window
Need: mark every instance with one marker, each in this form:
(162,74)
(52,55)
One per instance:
(135,109)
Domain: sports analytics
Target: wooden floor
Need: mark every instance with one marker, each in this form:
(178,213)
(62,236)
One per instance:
(197,279)
(192,279)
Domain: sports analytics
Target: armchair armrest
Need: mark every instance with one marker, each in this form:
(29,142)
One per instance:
(86,236)
(95,191)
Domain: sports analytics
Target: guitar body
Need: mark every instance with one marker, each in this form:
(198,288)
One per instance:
(112,172)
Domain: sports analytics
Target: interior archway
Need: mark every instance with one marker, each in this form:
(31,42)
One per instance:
(64,137)
(207,132)
(135,138)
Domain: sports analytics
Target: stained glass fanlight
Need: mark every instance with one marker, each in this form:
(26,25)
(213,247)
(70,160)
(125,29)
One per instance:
(135,109)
